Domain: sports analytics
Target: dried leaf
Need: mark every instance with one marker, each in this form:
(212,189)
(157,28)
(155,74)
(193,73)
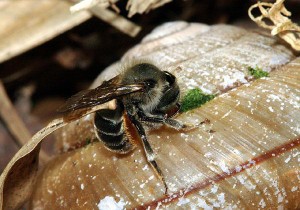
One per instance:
(137,6)
(278,14)
(17,179)
(46,19)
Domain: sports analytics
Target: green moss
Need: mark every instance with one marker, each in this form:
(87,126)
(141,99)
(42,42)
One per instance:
(193,99)
(257,72)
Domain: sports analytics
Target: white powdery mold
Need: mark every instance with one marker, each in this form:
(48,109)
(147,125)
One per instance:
(279,59)
(182,201)
(228,81)
(262,203)
(202,204)
(110,203)
(224,168)
(295,188)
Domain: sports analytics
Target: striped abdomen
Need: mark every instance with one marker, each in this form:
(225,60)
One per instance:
(110,128)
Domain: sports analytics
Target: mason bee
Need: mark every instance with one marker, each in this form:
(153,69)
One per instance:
(145,96)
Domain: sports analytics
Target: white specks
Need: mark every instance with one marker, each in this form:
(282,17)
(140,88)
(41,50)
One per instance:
(183,201)
(172,154)
(226,114)
(66,146)
(202,204)
(224,167)
(183,135)
(241,179)
(158,206)
(142,185)
(288,159)
(271,109)
(90,165)
(280,198)
(262,203)
(94,155)
(87,118)
(214,189)
(151,177)
(115,158)
(61,201)
(192,83)
(82,186)
(110,203)
(208,155)
(295,188)
(278,59)
(236,151)
(235,77)
(50,191)
(274,97)
(205,90)
(221,198)
(238,168)
(252,162)
(146,168)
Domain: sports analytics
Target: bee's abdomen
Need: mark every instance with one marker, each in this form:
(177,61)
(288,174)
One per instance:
(110,129)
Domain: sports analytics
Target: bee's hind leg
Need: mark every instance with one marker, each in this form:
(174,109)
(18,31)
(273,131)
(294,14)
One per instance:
(148,151)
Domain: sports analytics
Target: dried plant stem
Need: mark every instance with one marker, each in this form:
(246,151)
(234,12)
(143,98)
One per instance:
(278,14)
(14,123)
(116,20)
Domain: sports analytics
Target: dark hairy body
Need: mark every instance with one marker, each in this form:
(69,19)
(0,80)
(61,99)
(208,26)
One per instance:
(145,96)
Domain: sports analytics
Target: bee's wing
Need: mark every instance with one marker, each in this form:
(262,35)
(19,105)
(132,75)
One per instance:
(103,93)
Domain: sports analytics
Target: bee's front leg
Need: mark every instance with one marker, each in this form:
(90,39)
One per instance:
(175,124)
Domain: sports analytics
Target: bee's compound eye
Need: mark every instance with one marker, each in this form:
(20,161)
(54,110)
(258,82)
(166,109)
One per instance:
(150,83)
(170,78)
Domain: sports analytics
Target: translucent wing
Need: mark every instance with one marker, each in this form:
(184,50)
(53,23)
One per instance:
(89,98)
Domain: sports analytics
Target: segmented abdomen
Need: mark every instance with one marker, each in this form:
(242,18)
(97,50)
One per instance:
(110,129)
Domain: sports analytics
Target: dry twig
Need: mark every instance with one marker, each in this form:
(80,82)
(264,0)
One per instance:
(279,15)
(99,9)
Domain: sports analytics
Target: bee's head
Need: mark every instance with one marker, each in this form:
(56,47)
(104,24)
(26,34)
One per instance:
(161,89)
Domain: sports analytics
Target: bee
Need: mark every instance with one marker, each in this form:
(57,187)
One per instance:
(145,97)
